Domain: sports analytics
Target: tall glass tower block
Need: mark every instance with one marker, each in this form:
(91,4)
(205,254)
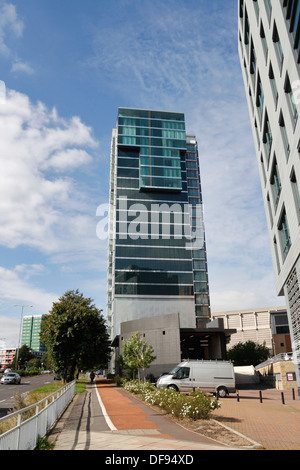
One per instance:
(157,261)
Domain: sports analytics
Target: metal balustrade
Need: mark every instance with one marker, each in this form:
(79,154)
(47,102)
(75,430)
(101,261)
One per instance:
(35,420)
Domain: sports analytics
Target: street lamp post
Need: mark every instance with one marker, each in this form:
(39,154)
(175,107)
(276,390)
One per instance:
(19,341)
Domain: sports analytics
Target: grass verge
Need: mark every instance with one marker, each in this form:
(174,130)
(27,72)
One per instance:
(36,395)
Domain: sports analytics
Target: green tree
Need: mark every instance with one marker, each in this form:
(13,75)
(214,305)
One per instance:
(248,353)
(46,362)
(137,354)
(24,355)
(34,363)
(75,335)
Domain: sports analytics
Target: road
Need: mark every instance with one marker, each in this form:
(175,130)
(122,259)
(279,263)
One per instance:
(27,384)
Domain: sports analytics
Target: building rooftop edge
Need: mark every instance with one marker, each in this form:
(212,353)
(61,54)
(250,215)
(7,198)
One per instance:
(150,109)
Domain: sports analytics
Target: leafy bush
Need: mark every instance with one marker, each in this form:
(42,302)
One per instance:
(195,406)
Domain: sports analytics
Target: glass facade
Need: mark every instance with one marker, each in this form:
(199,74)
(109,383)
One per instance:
(156,241)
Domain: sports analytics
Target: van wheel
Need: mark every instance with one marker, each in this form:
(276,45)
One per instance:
(173,387)
(222,392)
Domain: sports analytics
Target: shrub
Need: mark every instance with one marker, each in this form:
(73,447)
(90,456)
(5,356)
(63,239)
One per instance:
(195,406)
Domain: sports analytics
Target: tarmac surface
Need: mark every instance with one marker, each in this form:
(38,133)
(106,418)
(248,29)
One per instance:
(108,418)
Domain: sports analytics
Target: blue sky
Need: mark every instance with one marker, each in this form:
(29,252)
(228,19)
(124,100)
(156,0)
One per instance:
(67,67)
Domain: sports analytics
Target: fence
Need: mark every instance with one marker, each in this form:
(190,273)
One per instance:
(35,420)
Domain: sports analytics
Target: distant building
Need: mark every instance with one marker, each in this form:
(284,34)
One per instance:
(31,331)
(6,357)
(269,50)
(267,326)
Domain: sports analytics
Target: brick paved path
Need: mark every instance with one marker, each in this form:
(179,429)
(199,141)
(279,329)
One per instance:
(274,425)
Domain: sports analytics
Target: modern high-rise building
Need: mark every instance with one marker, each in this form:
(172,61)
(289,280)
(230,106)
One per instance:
(269,49)
(157,262)
(31,331)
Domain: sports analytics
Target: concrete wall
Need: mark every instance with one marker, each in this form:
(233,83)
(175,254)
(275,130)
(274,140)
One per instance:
(163,334)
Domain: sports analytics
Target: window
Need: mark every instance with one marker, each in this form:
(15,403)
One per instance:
(273,85)
(263,168)
(292,106)
(268,4)
(267,137)
(264,41)
(247,31)
(252,63)
(270,210)
(259,98)
(241,8)
(281,324)
(256,7)
(296,193)
(284,134)
(275,183)
(183,373)
(284,234)
(278,47)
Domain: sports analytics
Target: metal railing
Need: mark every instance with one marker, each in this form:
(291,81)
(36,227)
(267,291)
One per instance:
(278,357)
(35,420)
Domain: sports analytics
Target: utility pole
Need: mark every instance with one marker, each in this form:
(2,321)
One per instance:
(21,321)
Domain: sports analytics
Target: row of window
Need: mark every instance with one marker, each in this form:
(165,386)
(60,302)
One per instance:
(157,160)
(155,142)
(161,242)
(150,277)
(148,132)
(149,114)
(139,289)
(177,265)
(160,182)
(152,123)
(152,206)
(293,15)
(146,170)
(292,10)
(147,151)
(259,100)
(134,195)
(155,253)
(283,228)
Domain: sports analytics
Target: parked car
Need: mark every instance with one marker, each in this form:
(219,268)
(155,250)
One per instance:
(11,378)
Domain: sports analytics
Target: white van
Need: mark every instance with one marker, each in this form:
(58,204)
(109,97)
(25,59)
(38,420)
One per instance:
(209,376)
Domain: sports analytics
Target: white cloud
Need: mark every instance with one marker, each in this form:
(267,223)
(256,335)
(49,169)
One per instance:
(23,67)
(67,160)
(30,270)
(9,24)
(9,331)
(37,208)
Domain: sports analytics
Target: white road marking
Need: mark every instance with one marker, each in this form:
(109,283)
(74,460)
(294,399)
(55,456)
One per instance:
(106,417)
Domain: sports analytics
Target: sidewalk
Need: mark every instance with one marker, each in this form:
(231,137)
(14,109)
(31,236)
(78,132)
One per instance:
(276,426)
(109,418)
